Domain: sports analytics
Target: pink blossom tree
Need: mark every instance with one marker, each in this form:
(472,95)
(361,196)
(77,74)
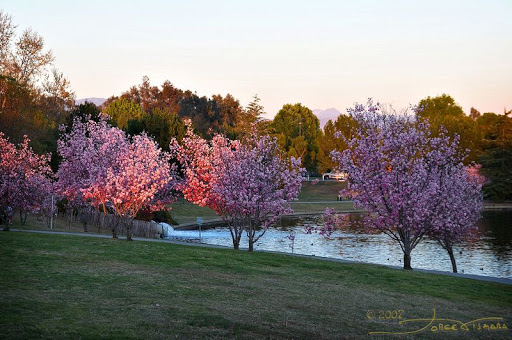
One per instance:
(199,162)
(458,209)
(256,184)
(102,167)
(141,177)
(88,150)
(25,177)
(394,168)
(249,185)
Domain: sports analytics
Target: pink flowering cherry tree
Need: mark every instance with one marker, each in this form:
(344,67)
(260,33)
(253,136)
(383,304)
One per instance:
(199,164)
(25,177)
(249,185)
(139,179)
(256,184)
(102,167)
(88,150)
(460,202)
(394,168)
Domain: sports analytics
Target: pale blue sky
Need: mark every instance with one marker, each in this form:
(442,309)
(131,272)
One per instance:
(320,53)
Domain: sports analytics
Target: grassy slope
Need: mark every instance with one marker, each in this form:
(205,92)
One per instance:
(56,286)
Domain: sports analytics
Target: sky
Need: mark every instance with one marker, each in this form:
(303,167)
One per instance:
(322,54)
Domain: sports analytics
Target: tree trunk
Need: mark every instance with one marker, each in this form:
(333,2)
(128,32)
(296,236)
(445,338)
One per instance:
(235,236)
(114,230)
(452,258)
(407,261)
(129,232)
(7,219)
(251,244)
(236,242)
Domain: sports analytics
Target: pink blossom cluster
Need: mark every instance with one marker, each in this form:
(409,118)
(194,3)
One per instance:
(199,161)
(458,207)
(248,184)
(410,182)
(102,166)
(25,177)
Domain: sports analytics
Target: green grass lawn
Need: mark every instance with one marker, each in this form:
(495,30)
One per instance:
(186,212)
(70,287)
(312,207)
(321,191)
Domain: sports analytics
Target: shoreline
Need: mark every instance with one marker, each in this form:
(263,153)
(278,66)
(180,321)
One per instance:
(218,221)
(497,206)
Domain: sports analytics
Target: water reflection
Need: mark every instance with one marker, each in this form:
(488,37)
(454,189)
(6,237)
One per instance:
(497,227)
(490,253)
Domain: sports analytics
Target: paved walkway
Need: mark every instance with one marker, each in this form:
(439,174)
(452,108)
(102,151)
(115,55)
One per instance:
(467,276)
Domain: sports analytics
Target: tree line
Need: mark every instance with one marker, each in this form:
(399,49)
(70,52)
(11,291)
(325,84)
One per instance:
(35,99)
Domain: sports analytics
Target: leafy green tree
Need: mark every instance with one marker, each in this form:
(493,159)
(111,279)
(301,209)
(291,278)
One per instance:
(444,111)
(474,113)
(160,124)
(83,112)
(497,168)
(163,126)
(496,158)
(229,114)
(123,110)
(440,106)
(255,110)
(251,119)
(300,146)
(328,142)
(217,114)
(33,101)
(293,121)
(17,108)
(202,113)
(23,58)
(151,97)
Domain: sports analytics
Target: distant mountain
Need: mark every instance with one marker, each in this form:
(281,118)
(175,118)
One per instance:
(325,115)
(94,100)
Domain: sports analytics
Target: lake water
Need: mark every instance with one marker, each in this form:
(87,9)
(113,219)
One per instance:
(489,254)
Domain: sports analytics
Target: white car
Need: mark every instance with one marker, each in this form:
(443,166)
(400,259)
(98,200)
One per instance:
(339,176)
